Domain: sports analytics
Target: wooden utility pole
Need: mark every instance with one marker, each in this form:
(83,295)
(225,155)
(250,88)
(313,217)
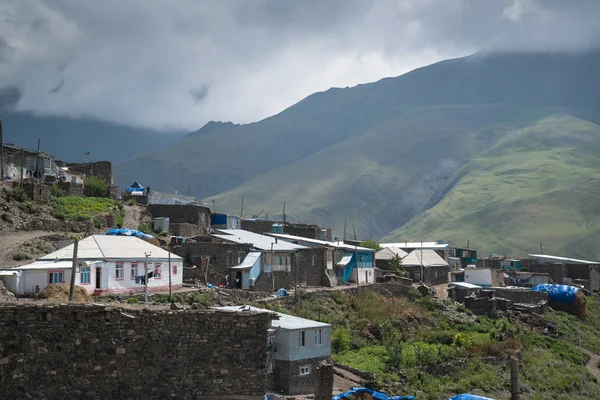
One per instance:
(514,379)
(1,154)
(73,272)
(344,239)
(541,248)
(283,222)
(354,230)
(146,278)
(170,298)
(242,209)
(214,208)
(37,158)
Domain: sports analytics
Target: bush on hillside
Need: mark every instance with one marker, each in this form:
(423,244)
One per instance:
(95,187)
(371,244)
(17,193)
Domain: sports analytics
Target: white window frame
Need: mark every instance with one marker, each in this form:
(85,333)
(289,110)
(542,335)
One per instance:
(318,337)
(301,338)
(119,267)
(304,370)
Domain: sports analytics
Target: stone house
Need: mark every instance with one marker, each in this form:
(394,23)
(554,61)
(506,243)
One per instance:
(441,248)
(105,265)
(383,256)
(565,270)
(348,262)
(184,219)
(20,162)
(267,267)
(296,347)
(434,267)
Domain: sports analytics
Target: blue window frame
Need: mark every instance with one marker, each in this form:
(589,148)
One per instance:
(85,276)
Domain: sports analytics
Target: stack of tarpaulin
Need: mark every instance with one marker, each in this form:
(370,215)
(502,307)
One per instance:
(469,397)
(132,232)
(358,392)
(564,298)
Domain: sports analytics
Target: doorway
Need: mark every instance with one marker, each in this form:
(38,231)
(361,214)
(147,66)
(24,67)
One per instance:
(238,280)
(98,278)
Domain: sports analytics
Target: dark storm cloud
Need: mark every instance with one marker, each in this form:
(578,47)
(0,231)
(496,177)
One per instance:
(134,62)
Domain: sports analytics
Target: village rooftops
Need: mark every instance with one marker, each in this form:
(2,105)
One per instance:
(108,247)
(285,321)
(563,259)
(427,258)
(258,241)
(337,245)
(417,245)
(389,253)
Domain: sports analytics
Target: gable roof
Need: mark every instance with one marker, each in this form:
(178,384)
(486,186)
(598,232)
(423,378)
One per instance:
(337,245)
(102,247)
(261,242)
(417,245)
(429,257)
(390,252)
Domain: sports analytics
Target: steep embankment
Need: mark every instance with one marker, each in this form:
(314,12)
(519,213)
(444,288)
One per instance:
(537,184)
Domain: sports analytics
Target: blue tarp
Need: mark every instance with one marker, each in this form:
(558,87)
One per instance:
(558,293)
(469,397)
(135,187)
(282,293)
(128,232)
(374,394)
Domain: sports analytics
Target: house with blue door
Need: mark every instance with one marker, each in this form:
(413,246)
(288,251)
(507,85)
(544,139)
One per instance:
(348,263)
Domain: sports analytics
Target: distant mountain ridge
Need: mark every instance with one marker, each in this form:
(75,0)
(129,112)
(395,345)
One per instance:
(385,155)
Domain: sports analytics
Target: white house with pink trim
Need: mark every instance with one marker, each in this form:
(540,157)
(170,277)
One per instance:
(105,265)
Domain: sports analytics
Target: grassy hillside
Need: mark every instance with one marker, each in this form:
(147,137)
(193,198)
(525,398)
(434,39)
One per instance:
(537,184)
(434,350)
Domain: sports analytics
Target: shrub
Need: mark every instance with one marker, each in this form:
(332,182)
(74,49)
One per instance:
(97,223)
(340,340)
(56,191)
(203,299)
(95,187)
(371,244)
(131,202)
(132,300)
(20,256)
(17,193)
(143,227)
(461,308)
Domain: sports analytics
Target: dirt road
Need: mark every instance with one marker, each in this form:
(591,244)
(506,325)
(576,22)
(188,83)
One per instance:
(592,365)
(134,216)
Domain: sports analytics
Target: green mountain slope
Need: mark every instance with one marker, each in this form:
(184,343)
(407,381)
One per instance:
(537,184)
(379,154)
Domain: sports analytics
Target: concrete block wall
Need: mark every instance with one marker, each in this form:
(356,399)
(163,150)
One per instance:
(98,352)
(183,214)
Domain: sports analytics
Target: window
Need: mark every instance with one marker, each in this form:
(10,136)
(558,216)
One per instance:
(319,336)
(157,271)
(280,260)
(134,270)
(175,269)
(240,257)
(304,370)
(119,272)
(301,338)
(270,367)
(84,279)
(55,277)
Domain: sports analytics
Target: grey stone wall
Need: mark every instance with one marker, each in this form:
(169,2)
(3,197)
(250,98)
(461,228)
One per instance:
(97,352)
(71,188)
(324,388)
(312,265)
(37,192)
(260,226)
(100,169)
(432,275)
(185,230)
(286,376)
(222,257)
(183,214)
(521,295)
(557,272)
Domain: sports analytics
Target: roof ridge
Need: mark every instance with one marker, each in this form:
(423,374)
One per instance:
(98,244)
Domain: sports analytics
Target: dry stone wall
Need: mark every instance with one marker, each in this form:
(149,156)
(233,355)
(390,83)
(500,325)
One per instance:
(97,352)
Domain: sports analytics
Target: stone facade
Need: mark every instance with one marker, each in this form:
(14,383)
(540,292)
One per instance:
(260,226)
(99,169)
(222,257)
(312,266)
(324,389)
(71,188)
(37,192)
(97,352)
(287,378)
(432,275)
(524,296)
(185,230)
(199,216)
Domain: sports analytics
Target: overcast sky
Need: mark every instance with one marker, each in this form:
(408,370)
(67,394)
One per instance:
(180,63)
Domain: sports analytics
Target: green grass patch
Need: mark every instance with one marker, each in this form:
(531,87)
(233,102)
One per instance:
(85,208)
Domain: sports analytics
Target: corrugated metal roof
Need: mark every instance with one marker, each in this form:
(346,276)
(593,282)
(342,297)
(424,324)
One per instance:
(429,258)
(417,245)
(249,260)
(575,260)
(102,247)
(285,321)
(390,252)
(338,245)
(261,242)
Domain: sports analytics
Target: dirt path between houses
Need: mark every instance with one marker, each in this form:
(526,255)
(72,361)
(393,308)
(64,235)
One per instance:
(592,365)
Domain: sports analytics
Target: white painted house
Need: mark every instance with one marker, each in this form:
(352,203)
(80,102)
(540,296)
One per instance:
(105,265)
(296,348)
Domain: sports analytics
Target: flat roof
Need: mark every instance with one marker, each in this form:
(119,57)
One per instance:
(465,285)
(285,321)
(575,260)
(339,245)
(261,242)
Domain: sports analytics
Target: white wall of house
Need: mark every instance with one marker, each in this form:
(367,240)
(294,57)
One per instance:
(290,348)
(479,276)
(365,275)
(40,277)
